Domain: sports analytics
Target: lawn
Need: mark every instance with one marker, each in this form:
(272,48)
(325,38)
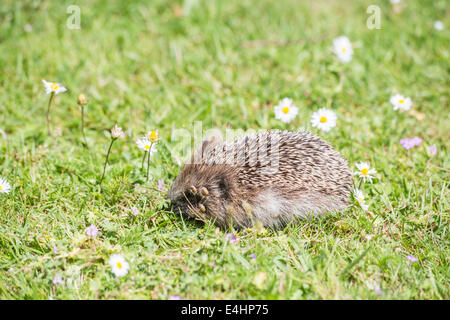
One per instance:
(162,65)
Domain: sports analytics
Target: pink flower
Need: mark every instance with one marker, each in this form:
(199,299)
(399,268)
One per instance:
(378,290)
(91,231)
(409,143)
(232,237)
(161,185)
(174,298)
(417,141)
(134,210)
(57,279)
(411,258)
(406,143)
(55,249)
(432,150)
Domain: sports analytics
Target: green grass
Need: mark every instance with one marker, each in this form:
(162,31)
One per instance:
(144,66)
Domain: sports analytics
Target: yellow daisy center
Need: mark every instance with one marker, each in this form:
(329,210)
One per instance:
(1,187)
(364,171)
(344,49)
(401,101)
(153,136)
(323,119)
(54,86)
(147,147)
(285,110)
(119,265)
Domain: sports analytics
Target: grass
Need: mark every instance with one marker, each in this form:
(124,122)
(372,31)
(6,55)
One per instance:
(165,65)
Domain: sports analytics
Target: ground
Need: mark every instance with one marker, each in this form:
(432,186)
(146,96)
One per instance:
(163,65)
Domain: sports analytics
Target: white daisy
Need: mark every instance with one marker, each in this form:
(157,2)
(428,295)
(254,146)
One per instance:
(359,196)
(153,136)
(119,265)
(285,110)
(400,102)
(5,187)
(146,145)
(324,119)
(438,25)
(395,1)
(117,132)
(53,87)
(342,47)
(365,172)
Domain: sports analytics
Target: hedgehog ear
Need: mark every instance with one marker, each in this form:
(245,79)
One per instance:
(207,144)
(213,139)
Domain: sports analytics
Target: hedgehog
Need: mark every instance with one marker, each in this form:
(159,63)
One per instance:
(272,177)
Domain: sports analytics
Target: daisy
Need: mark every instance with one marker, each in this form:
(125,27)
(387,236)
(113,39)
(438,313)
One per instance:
(400,102)
(153,136)
(5,187)
(342,47)
(117,132)
(53,87)
(324,119)
(260,279)
(119,265)
(146,145)
(359,196)
(438,25)
(285,110)
(365,172)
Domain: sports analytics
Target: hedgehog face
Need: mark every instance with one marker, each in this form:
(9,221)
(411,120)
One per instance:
(185,203)
(199,195)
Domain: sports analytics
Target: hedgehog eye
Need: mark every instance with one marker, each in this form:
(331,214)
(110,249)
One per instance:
(190,197)
(224,187)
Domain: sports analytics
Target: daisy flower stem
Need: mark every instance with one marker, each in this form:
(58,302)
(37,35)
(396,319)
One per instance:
(148,160)
(360,182)
(143,161)
(82,127)
(106,160)
(48,112)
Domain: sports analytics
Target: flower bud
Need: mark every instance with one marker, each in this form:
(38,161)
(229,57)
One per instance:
(117,132)
(153,136)
(81,100)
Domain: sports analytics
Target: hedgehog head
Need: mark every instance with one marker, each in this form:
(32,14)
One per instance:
(202,191)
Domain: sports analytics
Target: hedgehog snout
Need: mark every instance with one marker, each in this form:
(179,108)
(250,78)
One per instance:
(191,202)
(199,196)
